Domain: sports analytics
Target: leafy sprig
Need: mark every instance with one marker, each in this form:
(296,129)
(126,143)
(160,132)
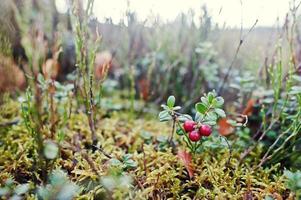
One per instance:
(207,112)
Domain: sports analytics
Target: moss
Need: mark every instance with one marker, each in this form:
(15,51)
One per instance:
(159,173)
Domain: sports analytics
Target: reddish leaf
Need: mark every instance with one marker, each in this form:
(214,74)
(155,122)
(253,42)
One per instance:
(144,87)
(103,62)
(249,108)
(224,128)
(185,157)
(11,76)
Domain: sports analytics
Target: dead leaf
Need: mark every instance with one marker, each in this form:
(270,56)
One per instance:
(224,128)
(186,158)
(249,108)
(103,62)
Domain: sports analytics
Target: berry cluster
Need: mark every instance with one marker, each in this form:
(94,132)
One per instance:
(207,112)
(195,131)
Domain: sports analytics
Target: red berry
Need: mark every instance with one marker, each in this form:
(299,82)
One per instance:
(189,125)
(194,136)
(205,130)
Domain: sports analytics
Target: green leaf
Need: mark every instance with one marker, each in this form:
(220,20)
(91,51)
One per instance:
(162,138)
(297,78)
(4,191)
(211,116)
(115,162)
(211,123)
(171,101)
(41,79)
(130,163)
(51,150)
(69,87)
(220,112)
(268,100)
(198,116)
(295,90)
(58,85)
(60,136)
(127,156)
(68,191)
(205,101)
(164,116)
(219,101)
(177,108)
(22,189)
(146,135)
(201,108)
(180,131)
(9,182)
(210,97)
(183,118)
(268,198)
(58,178)
(165,107)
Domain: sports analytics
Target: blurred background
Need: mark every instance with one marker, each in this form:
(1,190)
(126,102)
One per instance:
(165,47)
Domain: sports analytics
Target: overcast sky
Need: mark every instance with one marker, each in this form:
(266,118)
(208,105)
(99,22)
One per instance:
(222,11)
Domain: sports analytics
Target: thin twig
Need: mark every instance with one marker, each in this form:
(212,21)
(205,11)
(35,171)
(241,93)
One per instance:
(102,151)
(241,41)
(76,147)
(172,130)
(91,112)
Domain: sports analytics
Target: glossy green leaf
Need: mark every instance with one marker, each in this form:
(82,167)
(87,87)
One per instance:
(171,101)
(201,108)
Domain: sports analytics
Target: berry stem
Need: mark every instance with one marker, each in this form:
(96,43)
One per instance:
(174,119)
(185,134)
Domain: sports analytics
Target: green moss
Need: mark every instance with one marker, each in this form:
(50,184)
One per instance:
(159,173)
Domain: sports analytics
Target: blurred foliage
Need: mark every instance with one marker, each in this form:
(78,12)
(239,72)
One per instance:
(294,182)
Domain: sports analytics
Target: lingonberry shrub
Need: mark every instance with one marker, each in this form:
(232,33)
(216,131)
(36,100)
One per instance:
(194,130)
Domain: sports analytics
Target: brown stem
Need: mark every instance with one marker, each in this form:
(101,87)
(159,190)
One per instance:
(85,155)
(144,160)
(172,130)
(102,151)
(91,113)
(52,109)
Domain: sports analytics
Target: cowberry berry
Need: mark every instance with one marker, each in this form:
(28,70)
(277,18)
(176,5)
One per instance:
(189,125)
(205,130)
(194,136)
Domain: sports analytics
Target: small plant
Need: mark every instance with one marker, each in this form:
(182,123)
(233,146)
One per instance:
(58,187)
(11,190)
(84,84)
(294,182)
(126,162)
(208,111)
